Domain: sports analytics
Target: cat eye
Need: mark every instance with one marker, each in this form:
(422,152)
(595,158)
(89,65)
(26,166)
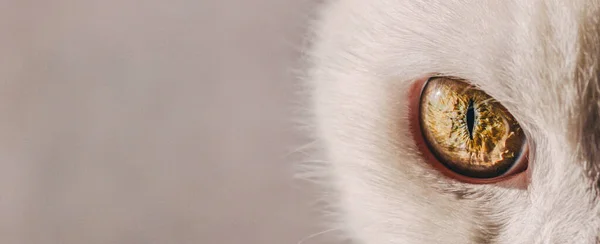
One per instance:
(468,132)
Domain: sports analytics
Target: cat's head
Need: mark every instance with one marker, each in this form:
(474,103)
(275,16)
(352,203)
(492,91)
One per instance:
(539,59)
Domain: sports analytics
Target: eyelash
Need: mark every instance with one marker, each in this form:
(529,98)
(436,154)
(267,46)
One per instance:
(515,177)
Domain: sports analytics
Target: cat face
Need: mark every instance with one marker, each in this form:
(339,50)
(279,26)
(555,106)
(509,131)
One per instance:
(539,59)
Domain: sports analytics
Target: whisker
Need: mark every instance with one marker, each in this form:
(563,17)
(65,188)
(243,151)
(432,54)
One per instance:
(303,240)
(484,101)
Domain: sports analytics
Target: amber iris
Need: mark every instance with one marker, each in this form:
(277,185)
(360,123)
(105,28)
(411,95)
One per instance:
(467,130)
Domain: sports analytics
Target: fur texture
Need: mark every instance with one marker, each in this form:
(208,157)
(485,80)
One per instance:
(539,58)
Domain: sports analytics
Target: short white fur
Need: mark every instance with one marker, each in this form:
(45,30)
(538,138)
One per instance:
(538,58)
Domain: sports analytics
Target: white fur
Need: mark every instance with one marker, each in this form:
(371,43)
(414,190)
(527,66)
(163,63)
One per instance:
(538,58)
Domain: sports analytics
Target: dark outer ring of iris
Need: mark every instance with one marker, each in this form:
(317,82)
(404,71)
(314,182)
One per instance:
(495,171)
(517,178)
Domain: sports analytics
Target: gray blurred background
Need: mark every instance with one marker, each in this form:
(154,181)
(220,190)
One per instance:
(156,121)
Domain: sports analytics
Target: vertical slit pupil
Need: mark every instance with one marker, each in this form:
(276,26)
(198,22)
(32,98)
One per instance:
(470,118)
